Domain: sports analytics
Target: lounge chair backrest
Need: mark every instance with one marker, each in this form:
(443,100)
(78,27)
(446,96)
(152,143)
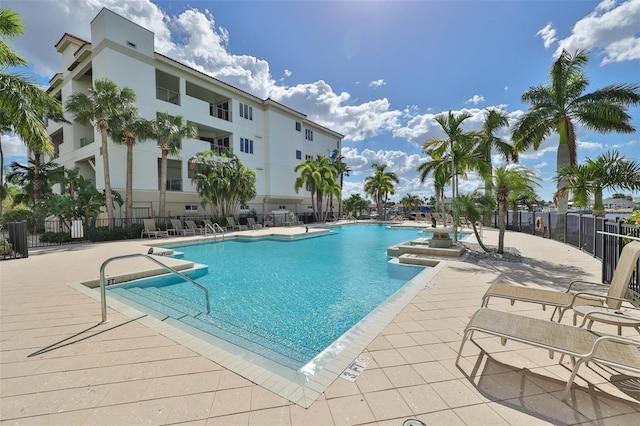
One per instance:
(622,275)
(149,224)
(191,224)
(176,224)
(231,221)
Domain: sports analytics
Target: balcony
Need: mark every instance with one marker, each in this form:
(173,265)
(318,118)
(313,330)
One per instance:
(167,95)
(173,184)
(85,141)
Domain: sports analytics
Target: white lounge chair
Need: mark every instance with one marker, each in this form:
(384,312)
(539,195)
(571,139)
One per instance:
(179,229)
(231,224)
(618,290)
(193,227)
(151,230)
(581,344)
(251,222)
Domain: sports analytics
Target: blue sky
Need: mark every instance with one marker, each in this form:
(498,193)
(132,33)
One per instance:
(377,72)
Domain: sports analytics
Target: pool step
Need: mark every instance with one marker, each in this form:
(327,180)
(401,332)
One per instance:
(417,259)
(218,324)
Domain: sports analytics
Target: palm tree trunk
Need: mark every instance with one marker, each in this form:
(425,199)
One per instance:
(319,204)
(129,190)
(475,231)
(502,211)
(163,183)
(36,178)
(107,177)
(563,160)
(598,205)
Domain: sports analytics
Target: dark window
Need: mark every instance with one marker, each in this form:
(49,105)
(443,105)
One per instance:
(298,155)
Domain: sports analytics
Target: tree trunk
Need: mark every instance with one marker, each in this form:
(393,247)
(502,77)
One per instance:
(502,212)
(563,160)
(129,190)
(107,178)
(319,204)
(36,178)
(598,205)
(163,183)
(475,231)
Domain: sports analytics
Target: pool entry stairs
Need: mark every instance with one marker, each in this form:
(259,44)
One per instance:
(167,306)
(419,252)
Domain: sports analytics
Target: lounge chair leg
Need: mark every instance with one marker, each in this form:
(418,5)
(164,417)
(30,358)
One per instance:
(464,339)
(564,395)
(503,341)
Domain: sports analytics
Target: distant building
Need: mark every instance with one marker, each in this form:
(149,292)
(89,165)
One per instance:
(268,137)
(618,203)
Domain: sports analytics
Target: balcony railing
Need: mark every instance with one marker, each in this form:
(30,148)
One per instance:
(173,184)
(85,141)
(219,112)
(167,95)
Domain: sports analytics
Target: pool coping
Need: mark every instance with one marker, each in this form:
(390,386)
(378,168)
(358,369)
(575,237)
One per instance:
(306,385)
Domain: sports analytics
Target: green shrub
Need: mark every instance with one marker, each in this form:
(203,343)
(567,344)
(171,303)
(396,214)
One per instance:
(55,237)
(17,215)
(103,233)
(6,249)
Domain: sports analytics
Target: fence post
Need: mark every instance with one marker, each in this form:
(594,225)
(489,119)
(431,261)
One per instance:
(580,231)
(92,229)
(564,231)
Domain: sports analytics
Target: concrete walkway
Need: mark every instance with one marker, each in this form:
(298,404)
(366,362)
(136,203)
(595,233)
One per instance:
(60,366)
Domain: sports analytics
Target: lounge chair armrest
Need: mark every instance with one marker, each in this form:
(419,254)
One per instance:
(589,296)
(585,282)
(595,314)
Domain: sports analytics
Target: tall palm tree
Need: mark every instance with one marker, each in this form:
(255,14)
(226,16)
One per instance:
(319,176)
(102,104)
(409,202)
(23,105)
(169,130)
(610,170)
(380,185)
(453,156)
(561,105)
(337,159)
(35,178)
(518,180)
(487,140)
(127,128)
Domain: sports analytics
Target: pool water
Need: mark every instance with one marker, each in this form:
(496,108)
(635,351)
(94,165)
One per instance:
(286,300)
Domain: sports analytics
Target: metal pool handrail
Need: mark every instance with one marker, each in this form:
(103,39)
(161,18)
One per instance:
(103,291)
(216,226)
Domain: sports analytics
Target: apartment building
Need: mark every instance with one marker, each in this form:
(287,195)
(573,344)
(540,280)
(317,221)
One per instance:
(267,136)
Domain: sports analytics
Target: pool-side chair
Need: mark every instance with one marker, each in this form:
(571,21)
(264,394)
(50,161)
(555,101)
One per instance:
(579,343)
(151,230)
(193,227)
(178,229)
(561,301)
(251,222)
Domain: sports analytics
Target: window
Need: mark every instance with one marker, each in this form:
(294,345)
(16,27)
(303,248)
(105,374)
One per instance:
(246,111)
(298,155)
(282,207)
(308,134)
(246,145)
(221,145)
(298,126)
(191,208)
(308,157)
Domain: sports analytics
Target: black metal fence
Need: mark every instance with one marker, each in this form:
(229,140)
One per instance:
(589,233)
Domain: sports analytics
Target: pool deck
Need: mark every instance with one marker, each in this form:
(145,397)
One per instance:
(59,365)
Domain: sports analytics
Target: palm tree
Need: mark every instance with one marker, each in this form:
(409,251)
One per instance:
(35,178)
(127,128)
(23,105)
(518,180)
(473,207)
(380,185)
(610,170)
(102,104)
(319,176)
(453,156)
(487,141)
(337,159)
(169,130)
(409,202)
(561,105)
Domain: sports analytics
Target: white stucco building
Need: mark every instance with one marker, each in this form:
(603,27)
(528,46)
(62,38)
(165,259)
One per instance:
(267,136)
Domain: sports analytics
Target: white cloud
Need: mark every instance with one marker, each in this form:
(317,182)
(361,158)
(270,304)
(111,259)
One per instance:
(589,146)
(13,146)
(476,99)
(548,34)
(288,73)
(377,83)
(612,28)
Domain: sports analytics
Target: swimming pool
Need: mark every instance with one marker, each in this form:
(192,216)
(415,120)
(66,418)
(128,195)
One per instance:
(286,300)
